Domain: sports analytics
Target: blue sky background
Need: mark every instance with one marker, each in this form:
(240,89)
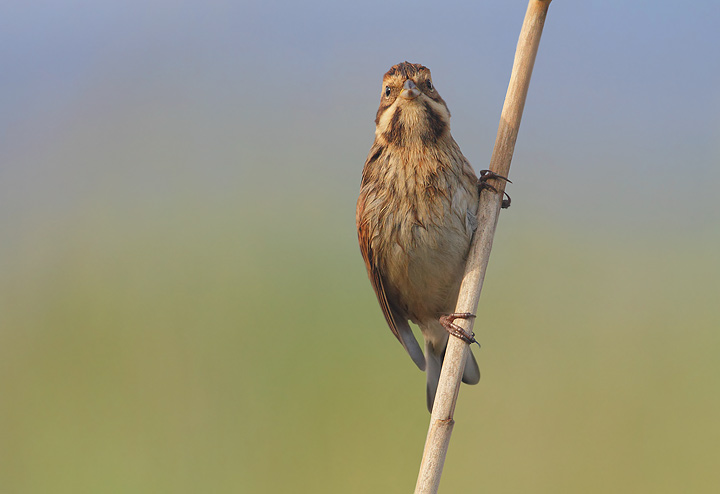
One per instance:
(621,125)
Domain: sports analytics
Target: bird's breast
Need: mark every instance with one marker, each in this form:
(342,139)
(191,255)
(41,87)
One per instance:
(422,216)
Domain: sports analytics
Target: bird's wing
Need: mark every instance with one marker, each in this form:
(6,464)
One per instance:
(398,324)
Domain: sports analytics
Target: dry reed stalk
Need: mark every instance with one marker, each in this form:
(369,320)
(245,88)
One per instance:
(441,421)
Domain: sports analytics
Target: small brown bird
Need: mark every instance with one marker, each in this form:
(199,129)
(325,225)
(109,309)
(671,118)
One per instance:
(416,216)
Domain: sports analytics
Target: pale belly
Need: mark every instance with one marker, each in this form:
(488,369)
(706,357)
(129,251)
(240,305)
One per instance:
(423,276)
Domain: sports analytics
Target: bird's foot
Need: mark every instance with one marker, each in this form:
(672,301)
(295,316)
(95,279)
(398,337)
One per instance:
(448,322)
(482,184)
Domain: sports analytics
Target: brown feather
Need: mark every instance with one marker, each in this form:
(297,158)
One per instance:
(416,215)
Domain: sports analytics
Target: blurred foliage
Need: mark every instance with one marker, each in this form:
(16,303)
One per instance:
(237,347)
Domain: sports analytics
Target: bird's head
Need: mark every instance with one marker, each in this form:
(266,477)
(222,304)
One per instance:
(411,110)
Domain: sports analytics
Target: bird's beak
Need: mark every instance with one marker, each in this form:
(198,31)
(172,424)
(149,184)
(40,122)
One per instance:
(409,90)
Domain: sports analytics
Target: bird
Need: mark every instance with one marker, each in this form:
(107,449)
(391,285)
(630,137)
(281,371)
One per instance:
(416,215)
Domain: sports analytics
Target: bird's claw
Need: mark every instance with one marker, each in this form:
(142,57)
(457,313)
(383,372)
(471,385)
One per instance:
(448,322)
(486,175)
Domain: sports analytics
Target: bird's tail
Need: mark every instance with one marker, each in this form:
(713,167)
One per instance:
(434,355)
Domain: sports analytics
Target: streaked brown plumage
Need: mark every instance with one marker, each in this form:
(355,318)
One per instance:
(416,215)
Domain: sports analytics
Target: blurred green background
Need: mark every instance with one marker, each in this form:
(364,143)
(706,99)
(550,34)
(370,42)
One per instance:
(183,306)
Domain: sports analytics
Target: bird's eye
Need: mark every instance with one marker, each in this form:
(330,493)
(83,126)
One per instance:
(387,91)
(430,86)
